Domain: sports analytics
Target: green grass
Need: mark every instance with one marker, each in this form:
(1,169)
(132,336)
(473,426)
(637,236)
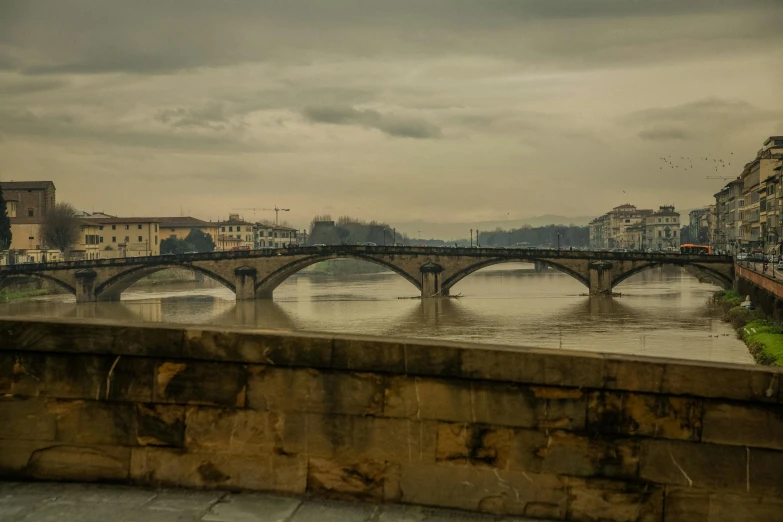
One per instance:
(729,298)
(13,295)
(765,341)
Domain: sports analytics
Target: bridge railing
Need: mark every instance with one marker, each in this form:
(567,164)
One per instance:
(527,253)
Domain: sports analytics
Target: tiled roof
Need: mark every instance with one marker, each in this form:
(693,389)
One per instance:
(25,185)
(182,221)
(117,220)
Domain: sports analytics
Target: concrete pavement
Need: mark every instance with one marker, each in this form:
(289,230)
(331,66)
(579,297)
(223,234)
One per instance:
(58,502)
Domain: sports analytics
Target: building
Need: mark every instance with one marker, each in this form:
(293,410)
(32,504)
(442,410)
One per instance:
(112,237)
(662,229)
(234,233)
(181,226)
(28,199)
(761,224)
(274,236)
(701,225)
(611,229)
(729,213)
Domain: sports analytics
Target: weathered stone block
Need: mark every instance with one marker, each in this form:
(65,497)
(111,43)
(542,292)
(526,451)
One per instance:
(170,467)
(489,403)
(764,473)
(743,425)
(474,444)
(278,348)
(689,505)
(367,354)
(196,382)
(15,454)
(351,438)
(69,336)
(160,425)
(92,422)
(700,465)
(243,432)
(484,489)
(7,362)
(565,453)
(344,480)
(633,374)
(289,389)
(564,368)
(28,419)
(721,381)
(80,463)
(82,377)
(648,415)
(611,501)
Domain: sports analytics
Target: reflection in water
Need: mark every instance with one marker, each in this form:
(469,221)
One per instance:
(663,312)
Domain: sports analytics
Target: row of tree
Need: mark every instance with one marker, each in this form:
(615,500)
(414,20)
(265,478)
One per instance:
(196,241)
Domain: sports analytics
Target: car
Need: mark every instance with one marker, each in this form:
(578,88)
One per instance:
(369,243)
(191,252)
(168,254)
(742,256)
(319,245)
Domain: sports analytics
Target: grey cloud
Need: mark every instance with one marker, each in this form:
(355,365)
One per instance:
(664,134)
(23,86)
(160,37)
(209,116)
(388,124)
(70,127)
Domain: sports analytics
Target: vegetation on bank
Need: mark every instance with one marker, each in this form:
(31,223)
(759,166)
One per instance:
(13,295)
(763,338)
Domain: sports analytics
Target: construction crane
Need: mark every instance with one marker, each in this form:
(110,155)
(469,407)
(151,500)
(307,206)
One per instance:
(276,209)
(721,177)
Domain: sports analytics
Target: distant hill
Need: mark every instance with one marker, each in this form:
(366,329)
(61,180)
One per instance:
(451,231)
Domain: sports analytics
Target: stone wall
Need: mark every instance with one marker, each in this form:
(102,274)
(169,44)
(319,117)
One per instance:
(765,292)
(539,433)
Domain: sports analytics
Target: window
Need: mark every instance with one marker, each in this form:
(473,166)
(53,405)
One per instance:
(30,212)
(171,229)
(139,227)
(114,227)
(140,239)
(156,227)
(675,233)
(627,220)
(100,227)
(659,220)
(659,234)
(127,227)
(156,240)
(667,220)
(223,229)
(127,238)
(100,239)
(113,239)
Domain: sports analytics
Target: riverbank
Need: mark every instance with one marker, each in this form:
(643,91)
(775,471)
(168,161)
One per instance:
(14,295)
(763,337)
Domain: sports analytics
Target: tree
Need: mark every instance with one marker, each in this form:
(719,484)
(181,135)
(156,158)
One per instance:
(5,225)
(61,228)
(201,241)
(174,245)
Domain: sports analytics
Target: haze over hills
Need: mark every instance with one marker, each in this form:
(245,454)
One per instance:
(451,231)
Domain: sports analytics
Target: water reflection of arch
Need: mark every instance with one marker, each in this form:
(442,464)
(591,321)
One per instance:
(266,286)
(258,313)
(462,274)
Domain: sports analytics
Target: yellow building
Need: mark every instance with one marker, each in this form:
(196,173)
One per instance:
(112,237)
(181,226)
(234,233)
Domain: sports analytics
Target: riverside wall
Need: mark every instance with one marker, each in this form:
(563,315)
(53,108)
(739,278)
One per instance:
(538,433)
(765,291)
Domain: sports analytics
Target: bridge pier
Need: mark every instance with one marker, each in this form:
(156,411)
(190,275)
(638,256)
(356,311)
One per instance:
(245,283)
(600,278)
(540,266)
(85,287)
(430,280)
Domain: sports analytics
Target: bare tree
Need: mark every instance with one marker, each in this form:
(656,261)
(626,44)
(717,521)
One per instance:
(61,228)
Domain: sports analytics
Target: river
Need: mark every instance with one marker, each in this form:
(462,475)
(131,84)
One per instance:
(664,312)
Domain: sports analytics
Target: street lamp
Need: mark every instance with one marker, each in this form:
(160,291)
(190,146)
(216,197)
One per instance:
(558,240)
(477,241)
(471,238)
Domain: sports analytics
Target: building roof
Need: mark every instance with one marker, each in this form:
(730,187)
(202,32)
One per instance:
(123,220)
(181,221)
(25,185)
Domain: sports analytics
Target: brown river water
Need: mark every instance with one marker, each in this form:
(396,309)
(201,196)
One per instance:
(664,312)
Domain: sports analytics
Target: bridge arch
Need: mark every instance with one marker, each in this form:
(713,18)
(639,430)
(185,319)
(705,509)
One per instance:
(267,285)
(462,274)
(113,287)
(717,276)
(5,281)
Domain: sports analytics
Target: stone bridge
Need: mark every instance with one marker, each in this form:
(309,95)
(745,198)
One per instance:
(433,271)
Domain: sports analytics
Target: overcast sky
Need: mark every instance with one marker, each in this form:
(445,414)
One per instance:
(398,110)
